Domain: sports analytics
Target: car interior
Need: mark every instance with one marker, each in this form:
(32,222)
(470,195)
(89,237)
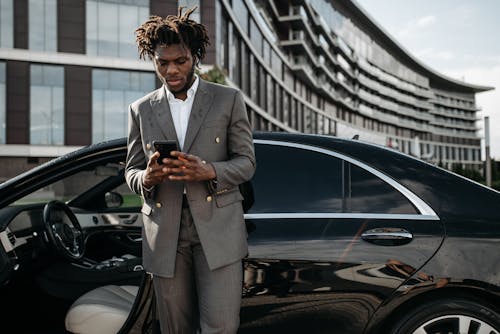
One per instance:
(72,253)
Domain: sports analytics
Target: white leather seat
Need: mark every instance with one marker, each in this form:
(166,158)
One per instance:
(103,310)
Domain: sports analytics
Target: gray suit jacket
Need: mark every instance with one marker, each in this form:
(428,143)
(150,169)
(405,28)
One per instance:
(218,132)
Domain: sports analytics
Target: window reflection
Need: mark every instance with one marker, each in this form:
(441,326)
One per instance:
(369,194)
(112,92)
(294,180)
(47,105)
(114,37)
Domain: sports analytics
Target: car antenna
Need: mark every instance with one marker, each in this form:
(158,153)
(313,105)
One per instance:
(355,137)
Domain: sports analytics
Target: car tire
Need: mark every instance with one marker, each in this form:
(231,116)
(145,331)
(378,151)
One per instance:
(452,316)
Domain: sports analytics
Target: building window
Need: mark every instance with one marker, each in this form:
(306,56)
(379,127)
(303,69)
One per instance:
(190,4)
(222,46)
(235,59)
(256,37)
(2,103)
(241,12)
(47,105)
(111,25)
(6,24)
(42,25)
(112,92)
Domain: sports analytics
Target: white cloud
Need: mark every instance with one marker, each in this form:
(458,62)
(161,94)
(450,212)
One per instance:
(467,14)
(425,21)
(417,24)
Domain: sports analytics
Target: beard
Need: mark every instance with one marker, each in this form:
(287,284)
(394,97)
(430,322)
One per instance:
(189,81)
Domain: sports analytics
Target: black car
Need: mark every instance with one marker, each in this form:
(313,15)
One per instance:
(344,237)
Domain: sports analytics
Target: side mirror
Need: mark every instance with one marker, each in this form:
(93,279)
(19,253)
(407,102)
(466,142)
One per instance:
(113,199)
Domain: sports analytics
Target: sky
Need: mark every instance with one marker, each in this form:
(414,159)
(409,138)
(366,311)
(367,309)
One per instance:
(458,38)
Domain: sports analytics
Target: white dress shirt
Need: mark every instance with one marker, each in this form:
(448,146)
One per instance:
(181,109)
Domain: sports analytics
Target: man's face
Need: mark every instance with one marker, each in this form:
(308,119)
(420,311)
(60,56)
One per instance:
(174,66)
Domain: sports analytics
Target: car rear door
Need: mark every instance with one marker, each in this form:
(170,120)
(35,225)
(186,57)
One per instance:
(330,239)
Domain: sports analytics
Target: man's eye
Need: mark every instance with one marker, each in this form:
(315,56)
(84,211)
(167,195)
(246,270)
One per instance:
(181,61)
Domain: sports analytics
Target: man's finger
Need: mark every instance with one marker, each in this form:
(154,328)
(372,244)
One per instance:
(180,177)
(185,156)
(154,158)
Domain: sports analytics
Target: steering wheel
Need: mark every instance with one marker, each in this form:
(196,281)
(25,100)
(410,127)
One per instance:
(63,230)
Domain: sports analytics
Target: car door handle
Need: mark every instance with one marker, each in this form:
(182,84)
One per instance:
(387,236)
(128,219)
(134,237)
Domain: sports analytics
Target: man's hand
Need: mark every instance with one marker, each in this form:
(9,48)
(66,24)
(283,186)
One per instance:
(188,167)
(154,173)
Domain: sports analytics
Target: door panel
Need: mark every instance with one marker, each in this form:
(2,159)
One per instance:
(111,234)
(320,276)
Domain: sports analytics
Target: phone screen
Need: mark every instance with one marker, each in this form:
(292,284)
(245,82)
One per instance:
(165,147)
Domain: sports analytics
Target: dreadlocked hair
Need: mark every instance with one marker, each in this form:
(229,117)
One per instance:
(173,29)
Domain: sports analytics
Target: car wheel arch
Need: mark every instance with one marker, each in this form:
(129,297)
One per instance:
(390,312)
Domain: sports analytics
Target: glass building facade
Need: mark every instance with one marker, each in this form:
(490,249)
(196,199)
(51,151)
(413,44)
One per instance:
(42,23)
(6,24)
(110,26)
(46,104)
(312,66)
(112,92)
(2,102)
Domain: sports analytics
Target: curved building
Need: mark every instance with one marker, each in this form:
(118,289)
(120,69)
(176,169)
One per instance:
(320,66)
(68,73)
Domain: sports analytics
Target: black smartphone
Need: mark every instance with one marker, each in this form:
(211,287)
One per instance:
(165,147)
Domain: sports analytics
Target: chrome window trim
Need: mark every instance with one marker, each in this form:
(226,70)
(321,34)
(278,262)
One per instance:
(326,215)
(423,208)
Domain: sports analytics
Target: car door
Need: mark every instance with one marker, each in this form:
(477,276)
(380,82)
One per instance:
(330,239)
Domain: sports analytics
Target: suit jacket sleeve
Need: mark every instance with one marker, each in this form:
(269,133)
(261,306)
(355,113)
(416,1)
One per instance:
(136,160)
(240,165)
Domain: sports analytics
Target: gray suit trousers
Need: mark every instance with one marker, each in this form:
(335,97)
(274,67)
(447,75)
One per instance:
(197,298)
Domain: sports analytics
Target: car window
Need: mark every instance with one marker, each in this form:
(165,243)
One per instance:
(369,194)
(297,180)
(289,179)
(75,185)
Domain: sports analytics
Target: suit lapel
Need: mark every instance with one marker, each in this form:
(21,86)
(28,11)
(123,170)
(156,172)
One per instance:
(201,105)
(161,110)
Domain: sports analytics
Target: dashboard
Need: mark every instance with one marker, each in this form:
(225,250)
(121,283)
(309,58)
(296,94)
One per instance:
(24,245)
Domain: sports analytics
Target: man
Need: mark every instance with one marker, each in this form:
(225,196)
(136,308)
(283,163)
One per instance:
(194,234)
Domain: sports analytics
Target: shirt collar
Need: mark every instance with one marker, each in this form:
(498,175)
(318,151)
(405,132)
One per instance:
(190,93)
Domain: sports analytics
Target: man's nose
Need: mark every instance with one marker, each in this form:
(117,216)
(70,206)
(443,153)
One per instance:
(172,69)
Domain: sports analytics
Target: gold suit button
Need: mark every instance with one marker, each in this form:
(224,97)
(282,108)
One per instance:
(217,140)
(209,198)
(148,146)
(158,205)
